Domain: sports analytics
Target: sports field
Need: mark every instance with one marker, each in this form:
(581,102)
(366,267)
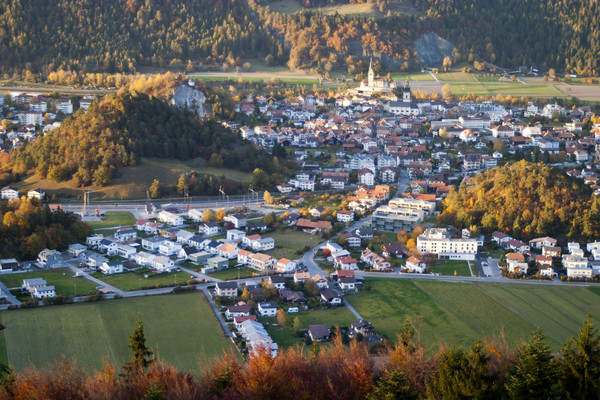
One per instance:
(181,329)
(463,313)
(113,219)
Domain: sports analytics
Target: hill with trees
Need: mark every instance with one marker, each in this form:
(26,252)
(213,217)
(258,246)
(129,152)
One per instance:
(40,37)
(525,200)
(120,129)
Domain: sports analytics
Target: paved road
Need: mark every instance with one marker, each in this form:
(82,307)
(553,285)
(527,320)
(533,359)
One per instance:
(198,275)
(216,311)
(97,281)
(8,294)
(352,310)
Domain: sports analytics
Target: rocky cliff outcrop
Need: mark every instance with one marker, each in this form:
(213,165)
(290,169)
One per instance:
(187,95)
(431,49)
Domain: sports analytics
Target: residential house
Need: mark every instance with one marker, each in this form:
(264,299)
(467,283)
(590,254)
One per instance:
(438,241)
(170,218)
(262,261)
(9,192)
(500,238)
(226,289)
(49,258)
(331,296)
(345,262)
(152,243)
(76,249)
(309,226)
(243,255)
(209,228)
(543,261)
(94,240)
(319,332)
(366,177)
(538,243)
(43,291)
(347,283)
(517,245)
(182,236)
(364,328)
(285,266)
(196,215)
(292,296)
(240,310)
(126,234)
(516,264)
(277,281)
(168,248)
(320,281)
(267,309)
(238,220)
(216,264)
(345,216)
(111,267)
(551,251)
(317,211)
(301,277)
(108,246)
(235,235)
(415,265)
(29,285)
(36,194)
(228,251)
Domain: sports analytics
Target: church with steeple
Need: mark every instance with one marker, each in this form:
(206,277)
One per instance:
(375,85)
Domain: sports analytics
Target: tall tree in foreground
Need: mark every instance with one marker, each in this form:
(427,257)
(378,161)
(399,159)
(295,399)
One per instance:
(581,363)
(534,374)
(142,355)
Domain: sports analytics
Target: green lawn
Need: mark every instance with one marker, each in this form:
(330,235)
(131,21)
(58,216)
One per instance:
(463,313)
(288,241)
(63,280)
(181,329)
(113,219)
(132,280)
(447,267)
(232,273)
(285,337)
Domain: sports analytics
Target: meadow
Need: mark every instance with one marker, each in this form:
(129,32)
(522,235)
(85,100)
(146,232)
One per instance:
(133,182)
(289,241)
(234,273)
(113,219)
(463,313)
(63,279)
(143,278)
(181,330)
(448,267)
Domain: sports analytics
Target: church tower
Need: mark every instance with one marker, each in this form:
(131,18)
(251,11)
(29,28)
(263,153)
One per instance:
(371,74)
(406,92)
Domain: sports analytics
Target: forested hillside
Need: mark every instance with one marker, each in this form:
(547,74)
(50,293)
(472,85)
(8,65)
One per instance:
(121,35)
(525,200)
(119,130)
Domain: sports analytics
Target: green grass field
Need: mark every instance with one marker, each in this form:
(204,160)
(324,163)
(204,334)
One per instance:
(232,273)
(113,219)
(289,241)
(447,267)
(285,337)
(412,77)
(181,329)
(463,313)
(63,280)
(363,9)
(132,280)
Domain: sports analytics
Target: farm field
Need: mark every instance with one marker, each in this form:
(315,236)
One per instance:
(287,242)
(63,280)
(129,281)
(285,337)
(113,219)
(180,329)
(463,313)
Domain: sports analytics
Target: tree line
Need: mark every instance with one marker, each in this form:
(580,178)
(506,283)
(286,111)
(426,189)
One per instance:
(406,370)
